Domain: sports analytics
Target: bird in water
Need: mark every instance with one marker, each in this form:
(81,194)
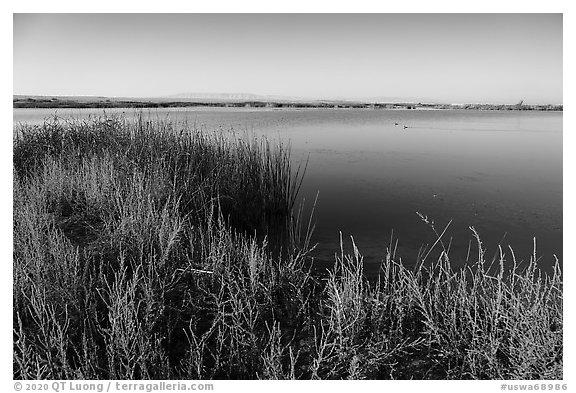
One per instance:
(395,123)
(405,127)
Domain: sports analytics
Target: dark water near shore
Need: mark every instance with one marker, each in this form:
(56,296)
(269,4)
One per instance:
(500,172)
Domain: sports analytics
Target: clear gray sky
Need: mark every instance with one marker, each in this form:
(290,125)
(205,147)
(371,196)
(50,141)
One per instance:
(500,58)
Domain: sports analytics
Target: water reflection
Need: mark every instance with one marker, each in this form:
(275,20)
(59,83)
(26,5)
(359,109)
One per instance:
(500,172)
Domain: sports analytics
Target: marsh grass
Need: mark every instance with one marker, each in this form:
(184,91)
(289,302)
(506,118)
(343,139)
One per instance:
(147,251)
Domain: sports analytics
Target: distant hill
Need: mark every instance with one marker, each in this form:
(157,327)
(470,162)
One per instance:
(232,97)
(235,97)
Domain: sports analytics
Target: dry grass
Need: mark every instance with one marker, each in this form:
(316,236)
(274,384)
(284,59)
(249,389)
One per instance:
(144,251)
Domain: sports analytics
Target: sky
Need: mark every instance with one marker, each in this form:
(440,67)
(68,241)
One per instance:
(450,58)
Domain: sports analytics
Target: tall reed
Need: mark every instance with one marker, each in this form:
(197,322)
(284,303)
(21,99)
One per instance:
(146,250)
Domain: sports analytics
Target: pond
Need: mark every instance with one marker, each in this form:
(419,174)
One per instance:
(497,171)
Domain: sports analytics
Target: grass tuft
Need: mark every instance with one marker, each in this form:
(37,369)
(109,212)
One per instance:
(145,250)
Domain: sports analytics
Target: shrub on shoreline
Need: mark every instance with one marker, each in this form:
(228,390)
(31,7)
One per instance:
(144,251)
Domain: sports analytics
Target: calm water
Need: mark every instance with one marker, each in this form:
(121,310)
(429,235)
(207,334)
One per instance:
(500,172)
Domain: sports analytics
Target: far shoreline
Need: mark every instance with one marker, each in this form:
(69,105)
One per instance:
(59,102)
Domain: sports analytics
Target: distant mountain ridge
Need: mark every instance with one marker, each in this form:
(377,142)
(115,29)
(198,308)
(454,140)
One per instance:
(280,98)
(234,97)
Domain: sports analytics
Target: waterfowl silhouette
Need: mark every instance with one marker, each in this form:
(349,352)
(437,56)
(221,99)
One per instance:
(405,127)
(395,123)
